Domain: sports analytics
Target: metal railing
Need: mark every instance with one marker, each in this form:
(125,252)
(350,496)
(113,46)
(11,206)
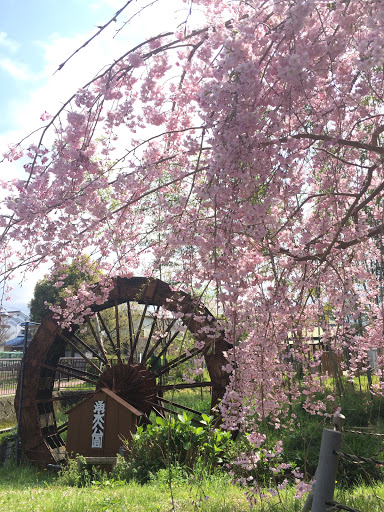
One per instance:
(9,374)
(10,368)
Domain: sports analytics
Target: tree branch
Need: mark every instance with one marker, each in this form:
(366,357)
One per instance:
(95,35)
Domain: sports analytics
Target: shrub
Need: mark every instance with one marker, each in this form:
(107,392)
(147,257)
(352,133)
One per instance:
(77,473)
(175,442)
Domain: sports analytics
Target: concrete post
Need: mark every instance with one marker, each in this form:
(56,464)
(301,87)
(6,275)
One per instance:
(326,469)
(21,381)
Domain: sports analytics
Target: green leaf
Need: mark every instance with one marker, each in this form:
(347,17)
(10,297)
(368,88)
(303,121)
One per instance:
(207,420)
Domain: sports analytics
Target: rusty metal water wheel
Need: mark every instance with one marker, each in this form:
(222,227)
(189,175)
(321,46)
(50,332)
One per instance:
(135,366)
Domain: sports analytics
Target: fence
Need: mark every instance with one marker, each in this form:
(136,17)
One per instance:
(9,373)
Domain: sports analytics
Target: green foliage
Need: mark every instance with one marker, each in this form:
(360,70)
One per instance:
(7,446)
(77,473)
(174,441)
(363,411)
(77,272)
(9,435)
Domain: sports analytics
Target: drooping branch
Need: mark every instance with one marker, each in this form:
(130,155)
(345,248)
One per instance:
(337,141)
(101,28)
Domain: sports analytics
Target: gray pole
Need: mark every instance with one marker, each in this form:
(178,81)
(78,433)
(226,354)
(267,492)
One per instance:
(326,470)
(17,454)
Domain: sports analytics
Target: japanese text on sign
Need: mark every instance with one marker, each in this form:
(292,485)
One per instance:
(98,424)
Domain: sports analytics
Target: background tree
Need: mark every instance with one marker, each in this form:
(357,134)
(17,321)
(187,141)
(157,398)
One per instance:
(53,289)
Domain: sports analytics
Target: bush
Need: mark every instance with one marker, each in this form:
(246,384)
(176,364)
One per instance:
(5,438)
(77,473)
(176,442)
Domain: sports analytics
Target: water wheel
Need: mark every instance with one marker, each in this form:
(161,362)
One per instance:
(144,333)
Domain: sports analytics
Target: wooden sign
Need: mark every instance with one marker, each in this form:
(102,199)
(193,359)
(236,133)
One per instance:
(98,425)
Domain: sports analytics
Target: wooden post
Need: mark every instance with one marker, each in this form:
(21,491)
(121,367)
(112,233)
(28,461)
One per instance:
(326,470)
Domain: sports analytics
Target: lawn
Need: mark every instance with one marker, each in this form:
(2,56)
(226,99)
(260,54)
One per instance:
(26,489)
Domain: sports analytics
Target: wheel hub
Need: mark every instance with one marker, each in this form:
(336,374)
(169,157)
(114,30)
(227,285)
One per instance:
(133,383)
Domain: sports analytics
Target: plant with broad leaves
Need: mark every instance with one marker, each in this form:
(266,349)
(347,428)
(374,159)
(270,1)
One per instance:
(181,441)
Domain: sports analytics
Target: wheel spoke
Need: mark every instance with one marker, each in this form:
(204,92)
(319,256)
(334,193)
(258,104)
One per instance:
(67,372)
(130,326)
(75,371)
(171,402)
(138,333)
(79,340)
(160,338)
(107,332)
(154,323)
(61,335)
(62,428)
(160,411)
(171,411)
(185,385)
(166,346)
(178,360)
(97,336)
(117,331)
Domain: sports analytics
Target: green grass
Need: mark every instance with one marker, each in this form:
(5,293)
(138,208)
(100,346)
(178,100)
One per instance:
(7,424)
(363,497)
(26,489)
(197,399)
(8,435)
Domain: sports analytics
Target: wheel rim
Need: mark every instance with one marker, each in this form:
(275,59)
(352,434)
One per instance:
(137,379)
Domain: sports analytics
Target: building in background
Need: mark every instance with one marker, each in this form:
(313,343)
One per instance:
(11,325)
(17,344)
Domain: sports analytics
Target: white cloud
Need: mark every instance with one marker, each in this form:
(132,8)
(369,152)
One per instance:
(13,67)
(8,43)
(16,69)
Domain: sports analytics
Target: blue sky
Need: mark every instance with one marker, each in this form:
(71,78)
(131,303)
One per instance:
(35,37)
(26,28)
